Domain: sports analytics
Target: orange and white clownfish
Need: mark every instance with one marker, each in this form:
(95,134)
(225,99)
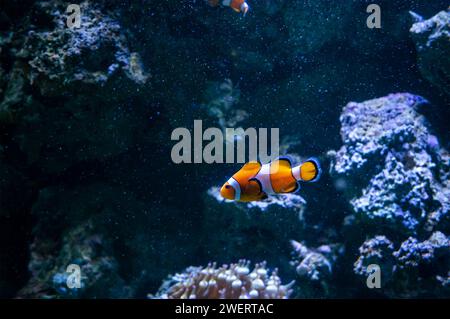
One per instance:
(236,5)
(255,181)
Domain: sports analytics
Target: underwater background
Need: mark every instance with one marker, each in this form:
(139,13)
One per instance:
(86,175)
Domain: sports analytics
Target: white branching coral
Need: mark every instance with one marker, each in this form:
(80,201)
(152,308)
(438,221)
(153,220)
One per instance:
(225,282)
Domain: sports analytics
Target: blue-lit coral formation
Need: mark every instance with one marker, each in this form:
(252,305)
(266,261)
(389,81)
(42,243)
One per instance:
(416,268)
(390,151)
(90,53)
(235,281)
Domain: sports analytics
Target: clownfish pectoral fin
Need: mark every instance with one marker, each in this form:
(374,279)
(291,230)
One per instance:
(293,188)
(310,170)
(254,187)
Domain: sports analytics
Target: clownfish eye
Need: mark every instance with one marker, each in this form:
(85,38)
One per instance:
(227,186)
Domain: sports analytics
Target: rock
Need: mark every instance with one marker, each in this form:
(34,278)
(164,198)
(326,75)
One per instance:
(416,269)
(413,253)
(89,54)
(395,174)
(79,113)
(13,93)
(81,246)
(314,264)
(432,39)
(376,251)
(391,163)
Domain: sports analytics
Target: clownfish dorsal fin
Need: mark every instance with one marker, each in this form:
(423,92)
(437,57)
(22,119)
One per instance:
(284,160)
(250,166)
(249,170)
(281,163)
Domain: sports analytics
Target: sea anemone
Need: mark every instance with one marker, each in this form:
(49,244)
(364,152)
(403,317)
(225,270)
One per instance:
(225,282)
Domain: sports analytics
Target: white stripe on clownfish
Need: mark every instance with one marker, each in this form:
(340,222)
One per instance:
(237,188)
(296,173)
(263,177)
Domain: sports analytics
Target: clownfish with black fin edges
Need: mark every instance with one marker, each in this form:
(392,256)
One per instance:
(254,181)
(236,5)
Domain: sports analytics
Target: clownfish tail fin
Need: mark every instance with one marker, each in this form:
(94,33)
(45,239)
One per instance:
(310,170)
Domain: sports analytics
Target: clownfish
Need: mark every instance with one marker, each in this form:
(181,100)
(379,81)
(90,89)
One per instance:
(255,181)
(236,5)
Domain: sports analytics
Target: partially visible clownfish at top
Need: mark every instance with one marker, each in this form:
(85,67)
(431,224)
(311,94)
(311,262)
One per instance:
(255,182)
(239,6)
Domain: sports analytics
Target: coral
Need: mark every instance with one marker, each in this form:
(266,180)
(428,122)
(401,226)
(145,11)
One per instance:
(389,150)
(412,253)
(314,264)
(432,39)
(373,251)
(225,282)
(314,268)
(396,176)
